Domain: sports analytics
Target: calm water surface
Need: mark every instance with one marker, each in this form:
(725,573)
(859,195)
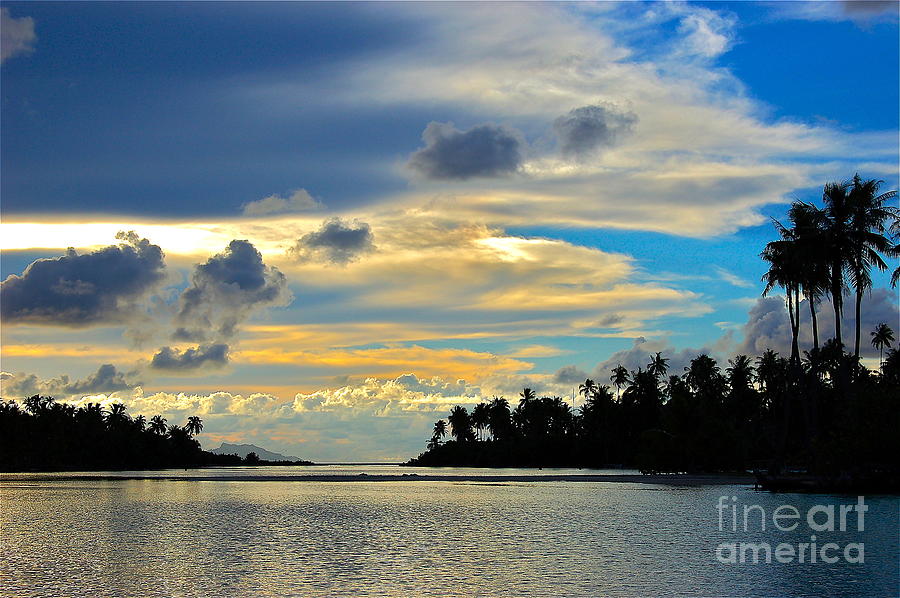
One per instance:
(71,537)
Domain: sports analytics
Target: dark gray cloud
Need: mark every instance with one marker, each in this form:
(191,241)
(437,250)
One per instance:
(106,379)
(225,290)
(100,287)
(336,241)
(768,325)
(211,355)
(870,7)
(640,353)
(16,35)
(486,150)
(587,129)
(570,374)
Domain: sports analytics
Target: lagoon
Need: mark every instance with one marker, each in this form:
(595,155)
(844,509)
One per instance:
(76,535)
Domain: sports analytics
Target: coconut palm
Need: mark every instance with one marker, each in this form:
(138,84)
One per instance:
(116,414)
(837,215)
(588,388)
(658,365)
(460,424)
(140,422)
(619,378)
(527,394)
(158,425)
(440,430)
(499,418)
(882,337)
(868,215)
(808,232)
(480,418)
(194,425)
(784,261)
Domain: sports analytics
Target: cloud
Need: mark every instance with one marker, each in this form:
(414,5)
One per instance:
(107,379)
(861,12)
(586,129)
(225,290)
(16,35)
(640,353)
(768,325)
(870,7)
(175,360)
(732,278)
(102,287)
(337,242)
(382,397)
(570,375)
(298,201)
(706,33)
(486,150)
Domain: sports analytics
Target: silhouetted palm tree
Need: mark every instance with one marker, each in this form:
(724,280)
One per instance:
(809,235)
(619,378)
(140,422)
(116,415)
(527,394)
(658,365)
(587,388)
(785,264)
(440,430)
(479,418)
(837,214)
(499,418)
(460,424)
(194,425)
(882,337)
(158,425)
(868,215)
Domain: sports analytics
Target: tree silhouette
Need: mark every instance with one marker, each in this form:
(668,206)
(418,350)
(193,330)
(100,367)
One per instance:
(194,425)
(882,337)
(619,378)
(868,215)
(158,425)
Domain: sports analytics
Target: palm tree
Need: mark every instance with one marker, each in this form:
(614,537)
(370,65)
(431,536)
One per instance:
(740,372)
(440,430)
(658,365)
(116,414)
(837,247)
(619,378)
(479,418)
(158,425)
(527,394)
(587,389)
(460,424)
(809,224)
(194,425)
(140,422)
(499,422)
(867,218)
(882,337)
(784,267)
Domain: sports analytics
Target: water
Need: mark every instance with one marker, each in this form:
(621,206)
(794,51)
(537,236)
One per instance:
(81,537)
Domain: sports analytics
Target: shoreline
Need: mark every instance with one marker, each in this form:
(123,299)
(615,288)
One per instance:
(653,479)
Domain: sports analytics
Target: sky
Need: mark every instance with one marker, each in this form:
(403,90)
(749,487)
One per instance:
(318,226)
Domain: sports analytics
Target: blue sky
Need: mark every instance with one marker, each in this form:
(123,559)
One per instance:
(479,196)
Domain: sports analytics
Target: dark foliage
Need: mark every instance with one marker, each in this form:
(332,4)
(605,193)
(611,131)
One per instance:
(45,435)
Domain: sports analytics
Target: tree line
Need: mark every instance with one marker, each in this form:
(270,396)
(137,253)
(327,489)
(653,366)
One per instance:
(820,410)
(42,434)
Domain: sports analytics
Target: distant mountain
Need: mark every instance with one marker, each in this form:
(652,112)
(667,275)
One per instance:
(241,450)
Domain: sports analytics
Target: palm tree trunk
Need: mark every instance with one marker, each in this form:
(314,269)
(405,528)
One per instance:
(836,300)
(795,349)
(859,295)
(815,322)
